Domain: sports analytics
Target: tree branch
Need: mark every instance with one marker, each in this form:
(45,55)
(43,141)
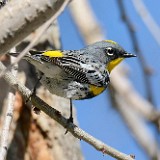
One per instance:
(147,71)
(33,14)
(37,36)
(56,115)
(147,19)
(8,117)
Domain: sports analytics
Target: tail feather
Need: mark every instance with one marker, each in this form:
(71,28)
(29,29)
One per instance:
(32,57)
(31,52)
(14,54)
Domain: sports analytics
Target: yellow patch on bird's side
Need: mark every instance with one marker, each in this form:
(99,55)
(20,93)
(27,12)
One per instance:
(113,63)
(110,41)
(96,90)
(53,53)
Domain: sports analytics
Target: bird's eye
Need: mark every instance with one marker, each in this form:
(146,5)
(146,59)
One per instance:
(109,51)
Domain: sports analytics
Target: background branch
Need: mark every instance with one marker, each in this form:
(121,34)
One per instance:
(147,19)
(122,86)
(37,36)
(147,71)
(33,14)
(135,121)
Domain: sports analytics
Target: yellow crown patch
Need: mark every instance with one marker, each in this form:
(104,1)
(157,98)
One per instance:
(110,41)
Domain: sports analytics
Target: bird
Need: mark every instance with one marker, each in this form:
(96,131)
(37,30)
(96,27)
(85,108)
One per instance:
(77,74)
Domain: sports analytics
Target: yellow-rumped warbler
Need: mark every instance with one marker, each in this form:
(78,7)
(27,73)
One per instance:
(78,74)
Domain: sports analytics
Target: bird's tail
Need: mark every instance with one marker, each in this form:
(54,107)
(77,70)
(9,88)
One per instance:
(33,57)
(30,53)
(14,54)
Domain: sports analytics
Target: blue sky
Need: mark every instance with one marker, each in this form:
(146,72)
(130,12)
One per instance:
(97,116)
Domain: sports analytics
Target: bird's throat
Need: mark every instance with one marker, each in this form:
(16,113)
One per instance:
(113,63)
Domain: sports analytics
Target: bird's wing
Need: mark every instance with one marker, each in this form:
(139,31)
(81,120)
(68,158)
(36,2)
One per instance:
(77,67)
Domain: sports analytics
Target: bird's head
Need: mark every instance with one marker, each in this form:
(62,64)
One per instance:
(114,53)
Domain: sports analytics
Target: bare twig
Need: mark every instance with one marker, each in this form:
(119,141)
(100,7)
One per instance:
(56,115)
(144,66)
(147,19)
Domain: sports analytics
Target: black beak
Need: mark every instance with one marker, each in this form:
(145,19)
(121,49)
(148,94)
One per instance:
(128,55)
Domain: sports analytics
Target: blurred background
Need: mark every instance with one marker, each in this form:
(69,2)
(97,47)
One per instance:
(126,116)
(98,116)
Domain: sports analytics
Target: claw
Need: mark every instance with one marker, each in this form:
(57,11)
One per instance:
(70,120)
